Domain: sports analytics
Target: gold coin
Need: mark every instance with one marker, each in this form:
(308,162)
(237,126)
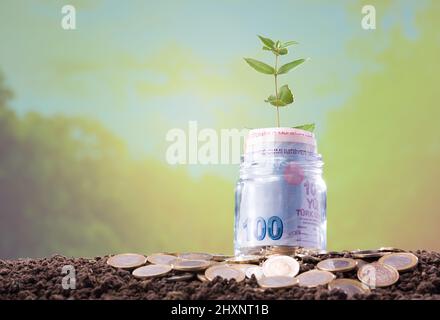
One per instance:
(376,275)
(195,256)
(349,286)
(402,261)
(190,265)
(368,254)
(161,258)
(152,271)
(202,277)
(127,260)
(314,278)
(337,264)
(224,271)
(244,259)
(277,282)
(280,266)
(257,271)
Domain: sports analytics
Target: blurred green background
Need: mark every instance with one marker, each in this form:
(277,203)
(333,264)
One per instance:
(84,114)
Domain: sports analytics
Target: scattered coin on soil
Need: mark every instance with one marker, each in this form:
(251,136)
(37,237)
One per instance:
(181,277)
(314,278)
(349,286)
(257,271)
(225,272)
(360,263)
(195,256)
(202,277)
(152,271)
(242,266)
(220,257)
(376,275)
(190,265)
(402,261)
(127,260)
(277,282)
(337,264)
(280,266)
(161,258)
(368,254)
(244,259)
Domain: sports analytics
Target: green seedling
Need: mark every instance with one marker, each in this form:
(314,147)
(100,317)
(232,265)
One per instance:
(283,96)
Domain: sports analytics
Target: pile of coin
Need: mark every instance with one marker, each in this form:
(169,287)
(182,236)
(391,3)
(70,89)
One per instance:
(278,267)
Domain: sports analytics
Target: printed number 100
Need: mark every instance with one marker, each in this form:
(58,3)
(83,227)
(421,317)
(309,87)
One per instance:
(259,228)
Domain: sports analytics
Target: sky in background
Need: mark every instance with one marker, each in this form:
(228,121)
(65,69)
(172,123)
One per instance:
(145,67)
(141,68)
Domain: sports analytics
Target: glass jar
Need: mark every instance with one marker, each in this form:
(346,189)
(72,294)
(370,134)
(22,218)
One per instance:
(280,197)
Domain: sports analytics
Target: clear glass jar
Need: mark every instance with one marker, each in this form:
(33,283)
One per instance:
(280,197)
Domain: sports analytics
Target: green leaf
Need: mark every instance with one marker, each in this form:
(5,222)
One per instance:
(277,44)
(308,127)
(266,48)
(274,101)
(285,94)
(289,66)
(283,51)
(260,66)
(288,44)
(267,42)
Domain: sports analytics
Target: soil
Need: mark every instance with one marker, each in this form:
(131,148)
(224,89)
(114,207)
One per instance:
(42,279)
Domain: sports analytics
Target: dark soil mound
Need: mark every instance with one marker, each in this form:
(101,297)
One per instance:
(43,278)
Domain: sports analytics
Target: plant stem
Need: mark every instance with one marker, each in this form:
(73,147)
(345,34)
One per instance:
(276,90)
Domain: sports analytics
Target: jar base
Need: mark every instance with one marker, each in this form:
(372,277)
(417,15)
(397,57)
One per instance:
(270,250)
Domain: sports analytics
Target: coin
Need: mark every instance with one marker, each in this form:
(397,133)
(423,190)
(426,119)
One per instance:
(349,286)
(277,282)
(161,258)
(257,271)
(220,257)
(402,261)
(127,260)
(280,266)
(242,266)
(224,271)
(360,262)
(195,256)
(244,259)
(377,274)
(314,278)
(367,254)
(152,271)
(390,249)
(181,277)
(190,265)
(202,277)
(337,264)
